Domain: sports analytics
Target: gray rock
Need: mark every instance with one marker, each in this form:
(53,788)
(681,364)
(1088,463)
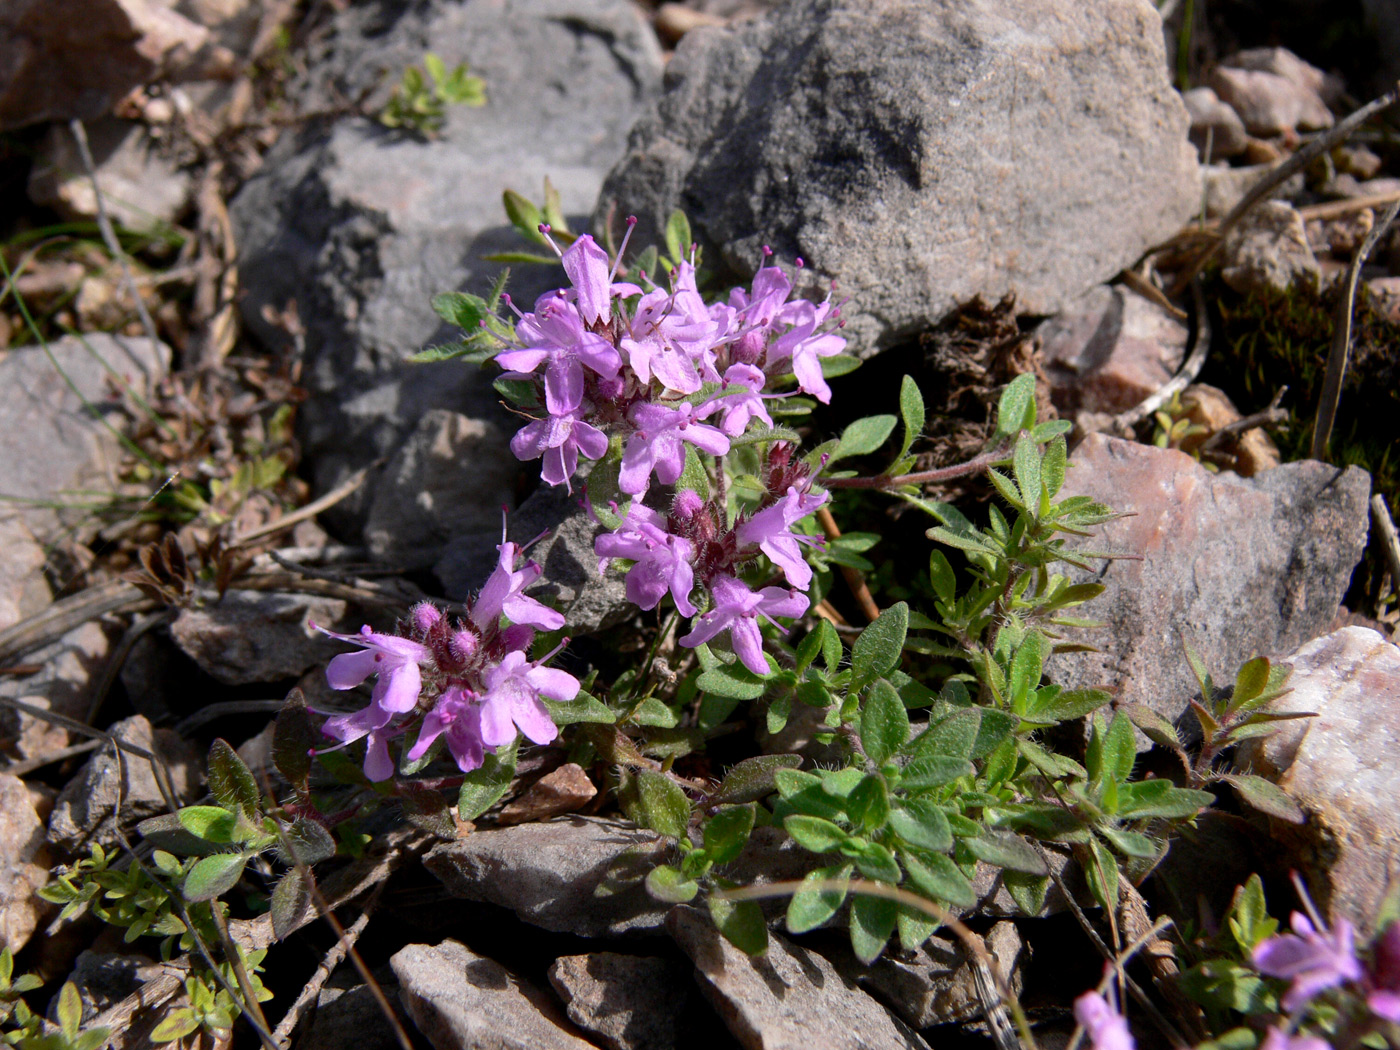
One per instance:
(258,636)
(788,999)
(361,226)
(1270,104)
(63,685)
(77,58)
(632,1002)
(141,189)
(351,1017)
(1110,349)
(85,809)
(1342,768)
(53,440)
(1284,63)
(1225,187)
(24,864)
(935,984)
(1268,252)
(1213,122)
(1239,566)
(920,153)
(571,582)
(463,1001)
(23,589)
(580,875)
(438,486)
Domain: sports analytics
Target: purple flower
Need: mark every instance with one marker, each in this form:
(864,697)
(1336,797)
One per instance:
(1107,1028)
(503,593)
(738,408)
(736,609)
(770,531)
(659,444)
(1383,975)
(457,715)
(1277,1039)
(1313,959)
(555,332)
(591,275)
(806,346)
(512,698)
(559,439)
(372,723)
(662,561)
(395,660)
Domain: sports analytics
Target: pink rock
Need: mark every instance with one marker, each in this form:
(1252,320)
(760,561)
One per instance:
(1214,122)
(1268,103)
(1240,566)
(1284,63)
(1109,350)
(24,864)
(1342,768)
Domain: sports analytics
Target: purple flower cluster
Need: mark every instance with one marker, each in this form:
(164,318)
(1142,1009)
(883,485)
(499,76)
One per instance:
(468,681)
(1316,958)
(662,371)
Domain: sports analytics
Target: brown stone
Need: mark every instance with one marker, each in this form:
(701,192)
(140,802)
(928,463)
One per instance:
(565,790)
(24,864)
(1268,252)
(1270,104)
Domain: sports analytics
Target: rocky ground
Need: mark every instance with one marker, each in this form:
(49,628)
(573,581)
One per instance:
(212,438)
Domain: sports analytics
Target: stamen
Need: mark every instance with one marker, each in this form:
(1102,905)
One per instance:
(545,229)
(631,225)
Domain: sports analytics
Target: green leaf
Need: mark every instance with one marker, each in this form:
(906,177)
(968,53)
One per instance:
(839,365)
(814,833)
(662,805)
(996,729)
(483,787)
(915,927)
(1131,843)
(667,884)
(1249,919)
(813,904)
(1160,798)
(652,712)
(868,805)
(1026,464)
(1006,850)
(1198,668)
(936,876)
(742,924)
(873,860)
(776,717)
(880,646)
(1154,726)
(210,823)
(1016,409)
(1119,747)
(1266,797)
(911,410)
(1252,680)
(953,737)
(754,778)
(941,576)
(863,437)
(678,236)
(583,708)
(1026,669)
(1069,705)
(694,476)
(727,831)
(933,771)
(231,782)
(732,680)
(461,309)
(884,722)
(290,899)
(70,1010)
(839,783)
(921,823)
(311,842)
(872,921)
(523,215)
(1101,871)
(1028,891)
(293,737)
(1052,465)
(176,1025)
(213,876)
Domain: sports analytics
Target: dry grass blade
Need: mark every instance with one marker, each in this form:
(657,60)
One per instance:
(1276,177)
(1339,353)
(114,596)
(1125,421)
(1388,537)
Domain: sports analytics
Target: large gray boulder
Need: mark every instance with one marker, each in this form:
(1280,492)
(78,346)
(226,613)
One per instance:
(921,152)
(361,226)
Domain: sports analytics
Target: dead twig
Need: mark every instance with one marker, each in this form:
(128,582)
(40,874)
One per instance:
(1271,416)
(1339,353)
(854,580)
(976,465)
(53,622)
(23,769)
(1276,177)
(1388,538)
(330,499)
(1125,421)
(1336,209)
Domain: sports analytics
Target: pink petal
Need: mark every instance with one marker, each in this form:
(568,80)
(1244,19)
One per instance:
(534,721)
(398,690)
(350,669)
(587,266)
(378,765)
(497,727)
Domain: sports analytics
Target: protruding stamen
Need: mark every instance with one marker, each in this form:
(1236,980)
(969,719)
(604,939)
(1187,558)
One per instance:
(631,225)
(545,230)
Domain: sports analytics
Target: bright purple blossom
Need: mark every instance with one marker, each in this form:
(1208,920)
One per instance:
(741,400)
(806,345)
(591,274)
(559,439)
(395,660)
(736,609)
(503,592)
(1107,1028)
(555,333)
(662,561)
(512,698)
(1313,959)
(371,723)
(659,443)
(1383,975)
(1277,1039)
(770,530)
(457,716)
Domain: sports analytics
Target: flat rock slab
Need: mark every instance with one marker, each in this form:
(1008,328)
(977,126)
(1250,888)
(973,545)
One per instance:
(1238,566)
(920,152)
(788,999)
(463,1001)
(631,1002)
(252,636)
(361,226)
(1342,768)
(24,864)
(551,874)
